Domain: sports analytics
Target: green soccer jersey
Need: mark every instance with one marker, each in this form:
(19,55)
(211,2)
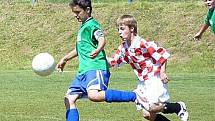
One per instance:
(85,44)
(210,19)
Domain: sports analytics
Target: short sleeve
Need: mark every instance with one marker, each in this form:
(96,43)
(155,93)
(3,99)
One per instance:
(207,18)
(159,54)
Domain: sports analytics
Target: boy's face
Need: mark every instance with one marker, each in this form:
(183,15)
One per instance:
(124,32)
(209,3)
(80,14)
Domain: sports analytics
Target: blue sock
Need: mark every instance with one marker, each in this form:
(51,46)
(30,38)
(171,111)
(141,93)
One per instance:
(72,115)
(119,96)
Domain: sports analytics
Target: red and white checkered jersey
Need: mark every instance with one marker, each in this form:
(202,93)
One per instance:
(145,57)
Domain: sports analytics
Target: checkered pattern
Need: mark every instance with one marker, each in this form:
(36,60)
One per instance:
(145,57)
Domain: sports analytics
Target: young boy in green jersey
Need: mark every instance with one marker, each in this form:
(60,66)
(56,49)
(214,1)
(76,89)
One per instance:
(209,20)
(93,74)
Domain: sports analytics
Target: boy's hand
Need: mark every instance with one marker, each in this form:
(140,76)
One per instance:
(94,53)
(197,36)
(60,66)
(164,78)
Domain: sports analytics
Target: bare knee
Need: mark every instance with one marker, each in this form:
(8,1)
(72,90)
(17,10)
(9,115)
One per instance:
(156,107)
(149,115)
(70,101)
(146,115)
(96,96)
(67,103)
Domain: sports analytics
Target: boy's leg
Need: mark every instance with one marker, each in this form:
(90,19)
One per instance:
(156,92)
(72,111)
(73,93)
(115,96)
(160,117)
(179,108)
(72,115)
(127,96)
(152,116)
(97,83)
(119,96)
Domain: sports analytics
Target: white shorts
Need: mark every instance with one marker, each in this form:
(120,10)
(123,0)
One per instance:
(154,90)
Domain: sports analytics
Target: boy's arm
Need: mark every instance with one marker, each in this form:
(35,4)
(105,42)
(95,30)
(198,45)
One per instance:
(99,36)
(101,45)
(109,60)
(204,27)
(201,31)
(159,54)
(163,75)
(61,64)
(70,55)
(117,59)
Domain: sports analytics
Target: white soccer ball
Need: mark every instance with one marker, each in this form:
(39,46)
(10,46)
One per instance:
(43,64)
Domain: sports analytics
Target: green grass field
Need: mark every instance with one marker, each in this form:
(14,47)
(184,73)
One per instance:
(50,27)
(27,97)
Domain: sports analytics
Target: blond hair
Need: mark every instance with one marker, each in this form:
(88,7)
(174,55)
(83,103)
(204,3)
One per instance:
(127,20)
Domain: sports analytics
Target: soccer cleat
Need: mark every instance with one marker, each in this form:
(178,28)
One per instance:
(183,114)
(141,102)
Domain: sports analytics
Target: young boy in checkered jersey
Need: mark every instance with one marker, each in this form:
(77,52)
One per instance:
(148,62)
(209,20)
(93,75)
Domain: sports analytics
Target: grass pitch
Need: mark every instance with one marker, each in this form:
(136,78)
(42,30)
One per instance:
(27,30)
(27,97)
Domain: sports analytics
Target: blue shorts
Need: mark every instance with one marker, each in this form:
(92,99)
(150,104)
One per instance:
(95,79)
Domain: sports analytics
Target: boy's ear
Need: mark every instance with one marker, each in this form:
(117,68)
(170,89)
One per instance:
(132,29)
(88,9)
